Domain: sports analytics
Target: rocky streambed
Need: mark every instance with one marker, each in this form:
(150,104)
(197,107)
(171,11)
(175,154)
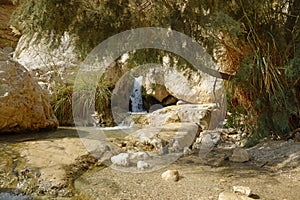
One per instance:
(62,165)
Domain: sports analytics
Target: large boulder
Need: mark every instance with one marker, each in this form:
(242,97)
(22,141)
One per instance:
(23,104)
(207,116)
(7,37)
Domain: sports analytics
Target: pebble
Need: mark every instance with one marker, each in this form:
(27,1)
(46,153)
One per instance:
(232,196)
(121,159)
(239,155)
(141,165)
(170,175)
(242,190)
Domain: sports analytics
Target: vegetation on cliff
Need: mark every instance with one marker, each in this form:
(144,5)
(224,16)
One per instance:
(259,42)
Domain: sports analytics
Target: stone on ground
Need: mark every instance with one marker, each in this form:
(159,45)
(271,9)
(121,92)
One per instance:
(232,196)
(170,175)
(242,190)
(239,155)
(121,159)
(141,165)
(206,141)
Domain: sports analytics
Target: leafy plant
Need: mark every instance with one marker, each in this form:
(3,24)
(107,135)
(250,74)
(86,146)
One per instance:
(85,97)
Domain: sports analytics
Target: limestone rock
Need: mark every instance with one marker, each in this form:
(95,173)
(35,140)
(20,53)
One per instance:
(242,190)
(206,141)
(240,155)
(194,87)
(165,138)
(121,159)
(141,165)
(170,175)
(162,82)
(40,55)
(205,115)
(232,196)
(23,104)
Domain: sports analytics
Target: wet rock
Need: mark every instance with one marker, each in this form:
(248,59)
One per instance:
(170,175)
(239,155)
(14,196)
(23,104)
(242,190)
(141,165)
(121,159)
(232,196)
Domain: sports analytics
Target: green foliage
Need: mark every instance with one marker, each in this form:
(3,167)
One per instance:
(90,94)
(260,40)
(264,82)
(62,105)
(85,97)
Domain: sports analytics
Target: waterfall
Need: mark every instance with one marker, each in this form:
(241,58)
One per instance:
(136,95)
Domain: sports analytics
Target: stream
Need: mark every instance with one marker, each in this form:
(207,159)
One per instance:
(57,165)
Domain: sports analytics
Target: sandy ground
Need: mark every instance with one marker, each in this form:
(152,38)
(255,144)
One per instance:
(197,180)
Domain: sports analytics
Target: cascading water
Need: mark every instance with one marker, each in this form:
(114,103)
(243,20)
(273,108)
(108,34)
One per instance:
(136,100)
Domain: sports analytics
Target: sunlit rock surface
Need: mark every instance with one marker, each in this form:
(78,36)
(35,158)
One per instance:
(23,104)
(205,115)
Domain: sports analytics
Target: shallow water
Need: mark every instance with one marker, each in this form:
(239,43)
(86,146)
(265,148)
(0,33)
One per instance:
(13,196)
(30,162)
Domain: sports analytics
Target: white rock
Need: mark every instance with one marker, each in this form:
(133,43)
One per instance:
(242,190)
(170,175)
(232,196)
(239,155)
(206,115)
(206,142)
(141,165)
(121,159)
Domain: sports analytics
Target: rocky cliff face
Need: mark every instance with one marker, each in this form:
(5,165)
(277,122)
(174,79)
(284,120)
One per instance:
(23,104)
(162,85)
(7,37)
